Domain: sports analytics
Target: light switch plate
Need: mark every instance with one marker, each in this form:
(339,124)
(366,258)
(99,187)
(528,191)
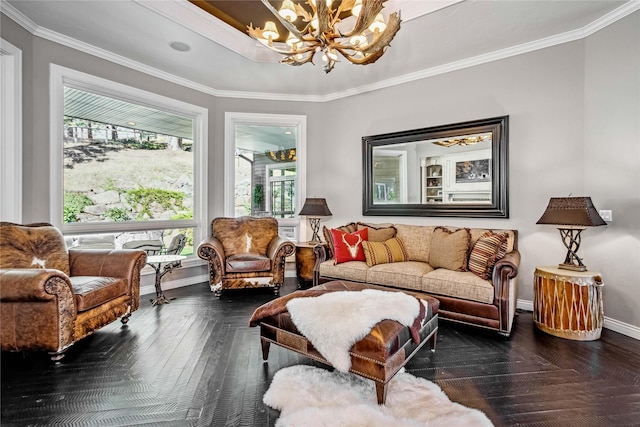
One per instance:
(607,215)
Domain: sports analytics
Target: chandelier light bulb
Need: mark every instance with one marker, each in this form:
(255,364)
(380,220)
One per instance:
(293,42)
(270,31)
(358,40)
(357,7)
(288,11)
(378,24)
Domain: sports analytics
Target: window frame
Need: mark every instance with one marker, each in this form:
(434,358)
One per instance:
(61,77)
(231,119)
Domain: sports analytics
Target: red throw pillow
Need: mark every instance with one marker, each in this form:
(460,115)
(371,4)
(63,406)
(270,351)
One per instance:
(348,246)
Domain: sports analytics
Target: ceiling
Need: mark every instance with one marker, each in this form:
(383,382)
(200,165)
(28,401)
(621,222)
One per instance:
(436,36)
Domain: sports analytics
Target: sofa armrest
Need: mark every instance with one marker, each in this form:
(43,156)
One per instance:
(212,251)
(280,248)
(50,327)
(30,284)
(504,273)
(106,262)
(509,263)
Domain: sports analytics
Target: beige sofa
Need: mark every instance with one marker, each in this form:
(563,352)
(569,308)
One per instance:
(433,264)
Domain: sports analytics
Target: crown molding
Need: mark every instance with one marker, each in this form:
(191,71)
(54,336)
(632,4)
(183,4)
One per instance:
(581,33)
(18,17)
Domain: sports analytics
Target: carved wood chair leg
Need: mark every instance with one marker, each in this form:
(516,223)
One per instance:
(57,356)
(125,318)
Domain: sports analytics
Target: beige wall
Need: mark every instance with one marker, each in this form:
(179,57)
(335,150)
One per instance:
(574,129)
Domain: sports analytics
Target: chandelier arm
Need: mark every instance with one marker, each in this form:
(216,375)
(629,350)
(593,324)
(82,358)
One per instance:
(288,25)
(324,17)
(384,39)
(291,60)
(370,9)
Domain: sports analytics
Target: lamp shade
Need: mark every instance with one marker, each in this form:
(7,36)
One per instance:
(315,207)
(571,211)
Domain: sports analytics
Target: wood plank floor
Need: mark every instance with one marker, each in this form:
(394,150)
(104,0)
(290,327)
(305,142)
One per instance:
(195,362)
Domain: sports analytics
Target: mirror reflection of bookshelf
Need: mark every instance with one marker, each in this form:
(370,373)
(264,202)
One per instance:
(434,183)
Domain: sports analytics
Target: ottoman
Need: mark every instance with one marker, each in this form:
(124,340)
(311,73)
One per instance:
(378,356)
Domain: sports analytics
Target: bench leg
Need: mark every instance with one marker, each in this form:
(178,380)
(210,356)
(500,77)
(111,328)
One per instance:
(265,348)
(381,392)
(432,341)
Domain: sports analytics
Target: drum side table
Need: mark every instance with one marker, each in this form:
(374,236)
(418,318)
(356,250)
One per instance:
(305,262)
(568,304)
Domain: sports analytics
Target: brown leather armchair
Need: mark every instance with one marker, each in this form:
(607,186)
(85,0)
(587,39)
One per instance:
(245,253)
(51,297)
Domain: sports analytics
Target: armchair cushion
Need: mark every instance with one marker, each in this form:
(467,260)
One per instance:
(245,263)
(91,291)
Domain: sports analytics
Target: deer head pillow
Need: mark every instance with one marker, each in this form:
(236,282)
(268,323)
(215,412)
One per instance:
(348,246)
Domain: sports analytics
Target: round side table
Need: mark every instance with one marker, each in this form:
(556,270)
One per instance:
(568,304)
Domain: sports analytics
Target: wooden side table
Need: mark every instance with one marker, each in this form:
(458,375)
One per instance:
(305,262)
(568,304)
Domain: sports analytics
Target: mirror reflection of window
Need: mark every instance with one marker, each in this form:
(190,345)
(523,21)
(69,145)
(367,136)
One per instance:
(390,176)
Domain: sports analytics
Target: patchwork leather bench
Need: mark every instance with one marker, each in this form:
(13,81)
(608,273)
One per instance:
(378,356)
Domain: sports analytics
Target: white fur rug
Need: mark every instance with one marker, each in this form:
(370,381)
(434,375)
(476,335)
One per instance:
(334,322)
(315,397)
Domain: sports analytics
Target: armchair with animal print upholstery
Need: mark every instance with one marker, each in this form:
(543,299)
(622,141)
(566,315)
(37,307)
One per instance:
(51,296)
(245,252)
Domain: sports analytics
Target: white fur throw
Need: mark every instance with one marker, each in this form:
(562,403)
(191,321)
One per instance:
(335,321)
(310,396)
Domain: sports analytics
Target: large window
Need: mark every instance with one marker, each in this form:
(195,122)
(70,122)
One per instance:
(265,167)
(125,162)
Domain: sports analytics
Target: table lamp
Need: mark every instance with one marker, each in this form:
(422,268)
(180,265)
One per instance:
(314,209)
(572,215)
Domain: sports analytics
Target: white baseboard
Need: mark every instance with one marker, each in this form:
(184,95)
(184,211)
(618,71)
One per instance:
(172,284)
(609,323)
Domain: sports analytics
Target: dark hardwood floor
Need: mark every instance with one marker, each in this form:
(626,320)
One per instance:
(196,362)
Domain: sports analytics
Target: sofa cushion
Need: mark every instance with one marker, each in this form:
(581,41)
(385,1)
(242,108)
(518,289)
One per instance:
(510,243)
(352,270)
(93,291)
(416,240)
(378,232)
(328,237)
(449,249)
(391,250)
(458,284)
(403,275)
(348,246)
(243,263)
(485,252)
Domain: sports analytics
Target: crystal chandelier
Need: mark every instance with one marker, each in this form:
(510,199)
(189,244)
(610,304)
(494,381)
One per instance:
(322,30)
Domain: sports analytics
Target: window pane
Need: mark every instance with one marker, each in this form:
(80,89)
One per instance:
(125,162)
(164,238)
(265,168)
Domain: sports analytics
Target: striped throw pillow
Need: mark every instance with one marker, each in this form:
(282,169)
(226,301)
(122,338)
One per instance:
(391,250)
(485,254)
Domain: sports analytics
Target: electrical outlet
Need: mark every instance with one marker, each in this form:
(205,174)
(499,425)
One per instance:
(607,215)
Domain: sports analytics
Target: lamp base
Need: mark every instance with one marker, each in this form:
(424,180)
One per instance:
(573,267)
(315,227)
